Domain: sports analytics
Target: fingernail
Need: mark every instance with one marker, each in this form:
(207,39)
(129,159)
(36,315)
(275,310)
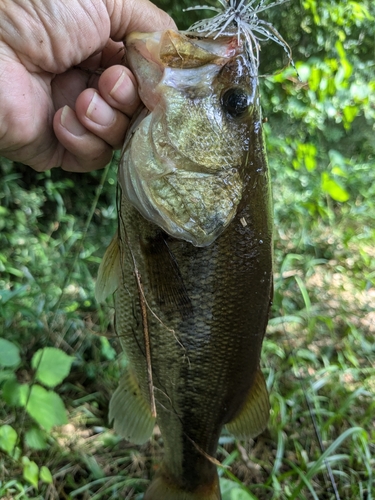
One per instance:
(124,91)
(71,122)
(99,111)
(116,88)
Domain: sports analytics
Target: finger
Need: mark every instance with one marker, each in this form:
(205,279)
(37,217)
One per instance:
(118,87)
(25,114)
(67,86)
(73,163)
(137,15)
(111,54)
(85,151)
(97,116)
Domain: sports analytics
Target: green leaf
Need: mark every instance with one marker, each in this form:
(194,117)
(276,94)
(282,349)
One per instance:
(46,407)
(107,350)
(9,353)
(36,439)
(339,171)
(315,466)
(232,491)
(340,50)
(306,155)
(6,375)
(304,292)
(15,394)
(334,189)
(315,78)
(350,112)
(45,475)
(30,471)
(7,295)
(52,366)
(8,438)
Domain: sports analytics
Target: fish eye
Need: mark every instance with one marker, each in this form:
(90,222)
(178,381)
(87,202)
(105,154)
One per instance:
(235,102)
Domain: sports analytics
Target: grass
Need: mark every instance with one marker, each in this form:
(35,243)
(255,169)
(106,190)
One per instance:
(317,356)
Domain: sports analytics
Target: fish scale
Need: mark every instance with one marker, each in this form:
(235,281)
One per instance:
(199,310)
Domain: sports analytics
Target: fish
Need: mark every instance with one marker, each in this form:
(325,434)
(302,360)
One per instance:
(191,263)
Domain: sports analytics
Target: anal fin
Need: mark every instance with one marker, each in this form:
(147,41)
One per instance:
(130,411)
(254,415)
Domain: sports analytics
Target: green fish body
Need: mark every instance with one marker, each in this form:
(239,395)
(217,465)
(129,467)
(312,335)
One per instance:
(192,262)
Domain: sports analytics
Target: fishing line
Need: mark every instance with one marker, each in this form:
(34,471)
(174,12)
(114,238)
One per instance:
(146,335)
(171,330)
(320,441)
(80,246)
(312,415)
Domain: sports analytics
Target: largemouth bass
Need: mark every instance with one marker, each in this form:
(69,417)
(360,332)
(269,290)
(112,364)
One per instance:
(192,261)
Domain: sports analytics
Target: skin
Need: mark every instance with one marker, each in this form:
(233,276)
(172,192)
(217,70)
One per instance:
(58,106)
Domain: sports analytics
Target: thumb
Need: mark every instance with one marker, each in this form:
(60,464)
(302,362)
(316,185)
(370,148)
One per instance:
(136,15)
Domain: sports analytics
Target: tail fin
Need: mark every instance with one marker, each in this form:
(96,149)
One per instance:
(163,488)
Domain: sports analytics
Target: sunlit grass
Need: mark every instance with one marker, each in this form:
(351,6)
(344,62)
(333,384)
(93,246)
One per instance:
(317,358)
(318,355)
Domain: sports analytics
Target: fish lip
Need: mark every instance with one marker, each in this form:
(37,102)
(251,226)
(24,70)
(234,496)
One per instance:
(229,40)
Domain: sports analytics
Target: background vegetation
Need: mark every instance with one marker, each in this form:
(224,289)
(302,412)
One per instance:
(59,358)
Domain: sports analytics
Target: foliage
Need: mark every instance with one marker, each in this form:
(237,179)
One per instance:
(50,367)
(40,290)
(45,408)
(58,352)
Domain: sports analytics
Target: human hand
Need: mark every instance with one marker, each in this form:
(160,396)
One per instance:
(54,109)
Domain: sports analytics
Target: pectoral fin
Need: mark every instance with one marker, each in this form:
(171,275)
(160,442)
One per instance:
(130,411)
(253,418)
(109,271)
(165,277)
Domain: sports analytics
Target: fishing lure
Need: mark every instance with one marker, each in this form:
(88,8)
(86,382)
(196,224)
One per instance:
(242,17)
